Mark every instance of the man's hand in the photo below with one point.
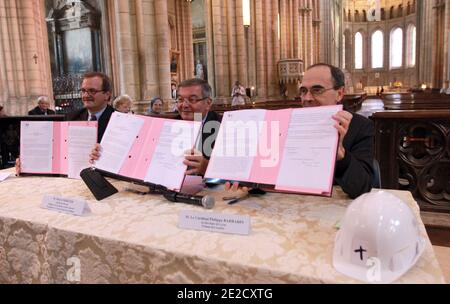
(235, 187)
(95, 153)
(195, 161)
(17, 166)
(343, 119)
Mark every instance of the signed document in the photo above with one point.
(59, 148)
(290, 150)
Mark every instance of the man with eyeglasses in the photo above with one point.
(95, 94)
(324, 85)
(194, 102)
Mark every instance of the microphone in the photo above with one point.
(204, 201)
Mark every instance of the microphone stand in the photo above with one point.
(96, 181)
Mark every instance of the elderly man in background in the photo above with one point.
(43, 107)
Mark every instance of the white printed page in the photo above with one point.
(117, 141)
(310, 151)
(36, 146)
(166, 167)
(236, 145)
(81, 140)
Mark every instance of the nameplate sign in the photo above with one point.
(214, 222)
(65, 205)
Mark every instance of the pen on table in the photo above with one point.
(238, 199)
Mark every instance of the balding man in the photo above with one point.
(43, 107)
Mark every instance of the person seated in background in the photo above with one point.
(123, 104)
(2, 112)
(43, 107)
(324, 85)
(194, 102)
(156, 106)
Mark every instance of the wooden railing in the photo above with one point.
(416, 101)
(413, 150)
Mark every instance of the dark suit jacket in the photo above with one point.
(82, 115)
(355, 172)
(210, 130)
(38, 111)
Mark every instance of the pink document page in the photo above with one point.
(141, 153)
(147, 145)
(54, 143)
(237, 145)
(266, 164)
(296, 151)
(309, 154)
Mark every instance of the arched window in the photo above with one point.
(411, 46)
(377, 49)
(396, 48)
(358, 51)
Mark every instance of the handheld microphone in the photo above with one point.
(204, 201)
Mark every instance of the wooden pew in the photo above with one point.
(351, 102)
(416, 101)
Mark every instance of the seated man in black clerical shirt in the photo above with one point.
(323, 85)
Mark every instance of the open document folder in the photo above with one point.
(291, 150)
(56, 148)
(147, 149)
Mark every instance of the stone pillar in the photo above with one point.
(260, 51)
(162, 38)
(127, 46)
(241, 45)
(147, 52)
(425, 33)
(185, 40)
(24, 56)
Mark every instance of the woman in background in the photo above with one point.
(156, 106)
(123, 104)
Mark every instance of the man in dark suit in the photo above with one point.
(323, 85)
(95, 94)
(42, 108)
(194, 103)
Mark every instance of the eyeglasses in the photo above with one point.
(91, 92)
(190, 100)
(315, 91)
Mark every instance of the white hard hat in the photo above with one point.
(379, 239)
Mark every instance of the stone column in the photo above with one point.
(260, 51)
(185, 40)
(425, 33)
(24, 56)
(147, 52)
(127, 46)
(162, 38)
(241, 45)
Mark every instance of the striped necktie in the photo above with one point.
(93, 118)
